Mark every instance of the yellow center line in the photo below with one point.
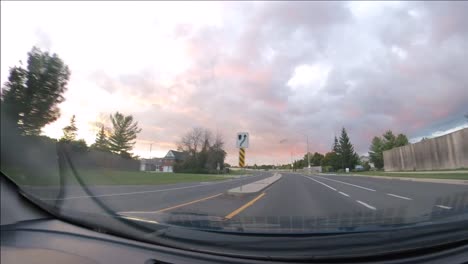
(242, 208)
(189, 203)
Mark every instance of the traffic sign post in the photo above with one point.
(242, 144)
(242, 157)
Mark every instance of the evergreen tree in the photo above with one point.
(70, 131)
(348, 157)
(335, 158)
(124, 133)
(375, 153)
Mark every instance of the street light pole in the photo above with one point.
(308, 152)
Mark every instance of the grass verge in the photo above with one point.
(108, 177)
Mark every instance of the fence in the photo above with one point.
(445, 152)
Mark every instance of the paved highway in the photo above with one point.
(295, 202)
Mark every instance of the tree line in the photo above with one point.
(342, 154)
(30, 100)
(119, 140)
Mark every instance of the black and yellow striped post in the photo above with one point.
(242, 157)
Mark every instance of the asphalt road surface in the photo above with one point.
(296, 202)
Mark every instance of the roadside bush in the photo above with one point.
(366, 166)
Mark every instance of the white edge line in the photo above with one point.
(398, 196)
(342, 193)
(140, 192)
(365, 188)
(367, 205)
(444, 207)
(321, 183)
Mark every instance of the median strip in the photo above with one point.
(242, 208)
(255, 186)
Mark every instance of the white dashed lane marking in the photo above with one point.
(354, 185)
(398, 196)
(367, 205)
(328, 186)
(342, 193)
(444, 207)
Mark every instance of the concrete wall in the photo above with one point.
(446, 152)
(313, 169)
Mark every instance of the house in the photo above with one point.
(365, 159)
(154, 164)
(172, 157)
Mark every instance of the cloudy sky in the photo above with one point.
(280, 71)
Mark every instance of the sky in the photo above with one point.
(282, 71)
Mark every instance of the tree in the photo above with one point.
(79, 145)
(329, 160)
(386, 142)
(316, 159)
(101, 143)
(348, 157)
(216, 154)
(123, 135)
(336, 161)
(375, 153)
(191, 141)
(30, 96)
(401, 140)
(69, 132)
(205, 152)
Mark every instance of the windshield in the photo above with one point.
(297, 118)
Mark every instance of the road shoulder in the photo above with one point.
(446, 181)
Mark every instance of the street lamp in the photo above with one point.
(308, 152)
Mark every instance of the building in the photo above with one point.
(154, 164)
(171, 158)
(165, 164)
(365, 159)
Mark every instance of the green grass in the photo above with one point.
(109, 177)
(240, 172)
(432, 175)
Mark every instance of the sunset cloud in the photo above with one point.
(279, 70)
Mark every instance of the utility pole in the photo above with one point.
(151, 146)
(292, 164)
(308, 152)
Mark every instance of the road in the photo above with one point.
(296, 202)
